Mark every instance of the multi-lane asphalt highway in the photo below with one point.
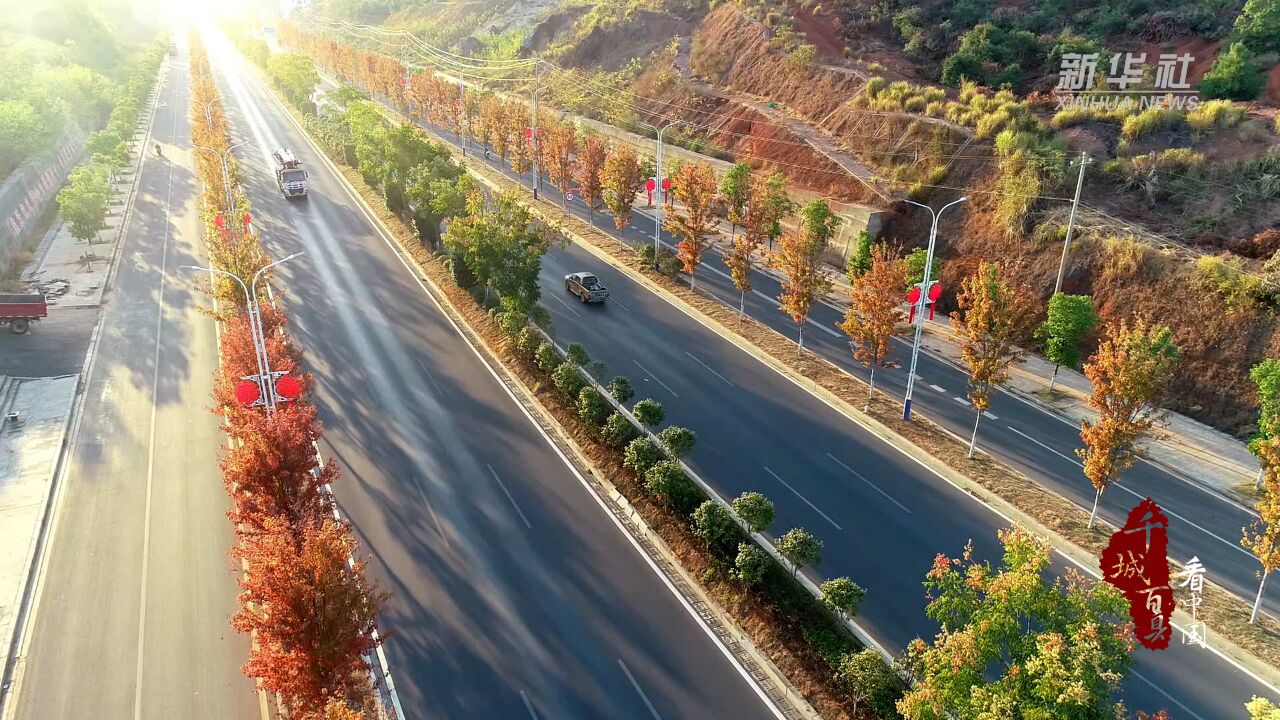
(131, 616)
(514, 594)
(881, 515)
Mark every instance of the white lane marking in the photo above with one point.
(430, 376)
(1185, 710)
(803, 498)
(417, 481)
(151, 445)
(655, 378)
(508, 494)
(528, 705)
(1046, 447)
(614, 300)
(939, 388)
(708, 367)
(990, 416)
(639, 690)
(567, 306)
(387, 240)
(875, 487)
(962, 401)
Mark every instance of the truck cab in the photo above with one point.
(290, 177)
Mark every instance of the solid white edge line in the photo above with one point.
(384, 234)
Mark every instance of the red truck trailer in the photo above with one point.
(19, 311)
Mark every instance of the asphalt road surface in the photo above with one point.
(882, 516)
(55, 346)
(514, 594)
(131, 619)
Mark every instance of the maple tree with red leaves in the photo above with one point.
(313, 615)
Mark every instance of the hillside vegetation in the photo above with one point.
(1180, 213)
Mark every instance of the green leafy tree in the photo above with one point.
(800, 548)
(769, 203)
(83, 202)
(618, 431)
(577, 354)
(677, 440)
(1262, 709)
(649, 412)
(620, 389)
(1258, 26)
(755, 509)
(1070, 318)
(547, 357)
(1262, 538)
(667, 483)
(434, 198)
(1266, 375)
(592, 406)
(1010, 638)
(915, 262)
(860, 259)
(735, 191)
(1233, 76)
(642, 454)
(295, 75)
(870, 680)
(568, 379)
(842, 596)
(751, 566)
(503, 245)
(713, 523)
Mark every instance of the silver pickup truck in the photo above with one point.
(586, 286)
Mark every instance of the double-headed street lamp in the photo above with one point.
(924, 293)
(657, 216)
(226, 173)
(265, 379)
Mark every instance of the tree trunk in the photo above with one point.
(1257, 482)
(1053, 378)
(742, 304)
(1094, 515)
(973, 440)
(800, 342)
(1257, 602)
(871, 388)
(691, 274)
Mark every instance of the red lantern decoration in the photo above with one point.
(247, 392)
(913, 297)
(288, 387)
(935, 292)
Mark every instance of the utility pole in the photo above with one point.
(1071, 222)
(464, 127)
(657, 216)
(533, 131)
(920, 301)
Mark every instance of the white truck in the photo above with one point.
(290, 176)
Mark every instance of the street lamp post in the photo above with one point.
(265, 378)
(657, 216)
(924, 293)
(208, 114)
(226, 173)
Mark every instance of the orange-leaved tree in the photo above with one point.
(1262, 538)
(803, 279)
(560, 144)
(874, 311)
(587, 172)
(1130, 373)
(621, 178)
(694, 186)
(995, 314)
(313, 615)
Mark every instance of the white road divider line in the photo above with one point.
(566, 305)
(639, 690)
(431, 376)
(962, 401)
(528, 705)
(990, 416)
(1046, 447)
(708, 367)
(787, 485)
(939, 388)
(875, 487)
(509, 497)
(645, 370)
(417, 481)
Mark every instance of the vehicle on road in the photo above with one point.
(290, 177)
(19, 311)
(586, 286)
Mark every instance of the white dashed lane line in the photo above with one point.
(802, 498)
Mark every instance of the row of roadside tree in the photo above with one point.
(304, 595)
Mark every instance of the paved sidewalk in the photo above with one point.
(81, 266)
(29, 452)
